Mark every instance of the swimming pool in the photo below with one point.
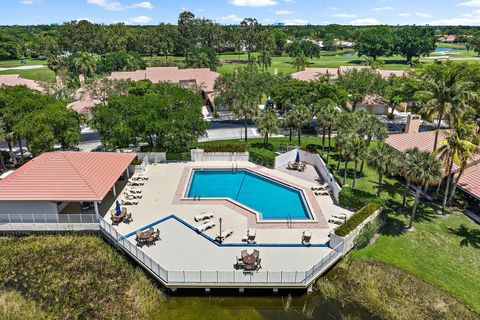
(271, 199)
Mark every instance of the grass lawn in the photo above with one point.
(18, 63)
(41, 74)
(444, 251)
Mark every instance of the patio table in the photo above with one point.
(119, 217)
(249, 259)
(145, 235)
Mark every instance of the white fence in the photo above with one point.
(200, 155)
(50, 222)
(209, 277)
(316, 161)
(153, 157)
(284, 158)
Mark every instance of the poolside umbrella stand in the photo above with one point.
(297, 158)
(118, 210)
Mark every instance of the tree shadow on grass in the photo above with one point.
(471, 237)
(393, 227)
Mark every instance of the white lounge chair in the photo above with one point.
(336, 221)
(205, 226)
(251, 234)
(225, 234)
(325, 192)
(132, 182)
(320, 187)
(140, 177)
(133, 190)
(131, 195)
(339, 216)
(306, 236)
(203, 216)
(125, 201)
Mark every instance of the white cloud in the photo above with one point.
(462, 21)
(364, 21)
(141, 19)
(418, 14)
(333, 8)
(471, 3)
(30, 1)
(253, 3)
(344, 15)
(382, 9)
(283, 12)
(474, 13)
(295, 22)
(231, 18)
(86, 19)
(118, 6)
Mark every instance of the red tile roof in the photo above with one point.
(310, 74)
(15, 80)
(422, 140)
(204, 77)
(470, 181)
(66, 176)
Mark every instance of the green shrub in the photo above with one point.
(356, 199)
(262, 157)
(178, 156)
(261, 145)
(356, 219)
(225, 148)
(135, 162)
(367, 233)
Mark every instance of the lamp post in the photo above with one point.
(220, 235)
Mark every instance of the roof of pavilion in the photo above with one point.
(65, 176)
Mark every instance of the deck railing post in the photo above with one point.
(184, 276)
(281, 276)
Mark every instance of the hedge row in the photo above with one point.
(178, 156)
(262, 157)
(225, 148)
(356, 199)
(356, 219)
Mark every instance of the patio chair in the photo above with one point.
(133, 190)
(302, 167)
(128, 218)
(205, 226)
(251, 234)
(256, 253)
(258, 264)
(336, 221)
(289, 165)
(115, 218)
(133, 195)
(125, 201)
(157, 235)
(306, 236)
(225, 234)
(325, 192)
(132, 182)
(139, 177)
(203, 216)
(340, 216)
(320, 187)
(244, 253)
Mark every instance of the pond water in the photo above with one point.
(446, 50)
(258, 304)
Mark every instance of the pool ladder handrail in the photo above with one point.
(289, 221)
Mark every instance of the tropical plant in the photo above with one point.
(423, 169)
(267, 124)
(444, 92)
(84, 64)
(299, 62)
(358, 152)
(326, 115)
(359, 84)
(370, 127)
(264, 59)
(383, 158)
(3, 138)
(300, 117)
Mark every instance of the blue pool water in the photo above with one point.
(273, 200)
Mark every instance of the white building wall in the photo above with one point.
(28, 207)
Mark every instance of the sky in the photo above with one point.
(292, 12)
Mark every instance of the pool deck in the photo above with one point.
(182, 248)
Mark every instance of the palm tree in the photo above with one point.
(3, 138)
(444, 92)
(424, 169)
(300, 62)
(264, 59)
(84, 64)
(300, 118)
(267, 124)
(326, 118)
(357, 153)
(287, 123)
(383, 158)
(372, 128)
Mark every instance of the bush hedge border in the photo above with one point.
(356, 219)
